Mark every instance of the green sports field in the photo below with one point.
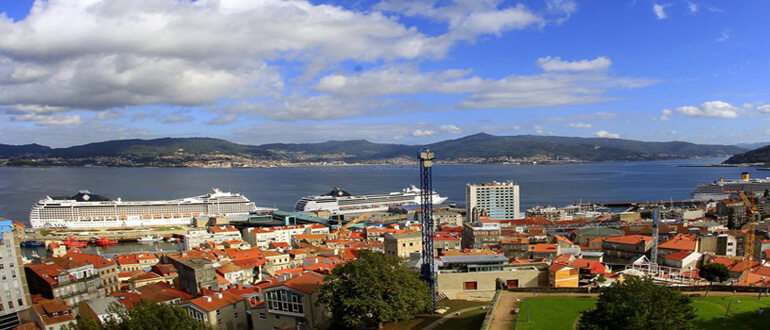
(563, 312)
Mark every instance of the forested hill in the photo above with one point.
(478, 148)
(761, 155)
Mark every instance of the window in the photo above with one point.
(236, 315)
(262, 316)
(471, 285)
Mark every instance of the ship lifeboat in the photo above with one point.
(146, 216)
(72, 242)
(105, 242)
(122, 217)
(177, 215)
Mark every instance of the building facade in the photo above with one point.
(499, 200)
(14, 283)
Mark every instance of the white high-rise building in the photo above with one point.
(15, 296)
(499, 200)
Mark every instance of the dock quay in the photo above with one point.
(129, 234)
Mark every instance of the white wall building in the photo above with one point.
(499, 200)
(15, 297)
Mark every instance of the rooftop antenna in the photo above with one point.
(426, 212)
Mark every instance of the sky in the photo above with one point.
(394, 71)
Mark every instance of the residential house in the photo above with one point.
(292, 304)
(625, 249)
(563, 276)
(53, 314)
(403, 245)
(101, 310)
(481, 235)
(220, 310)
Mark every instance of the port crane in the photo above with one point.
(752, 212)
(343, 231)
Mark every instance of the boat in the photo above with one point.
(103, 241)
(31, 244)
(149, 239)
(72, 242)
(338, 201)
(722, 189)
(172, 240)
(86, 210)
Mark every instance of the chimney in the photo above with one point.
(218, 295)
(207, 298)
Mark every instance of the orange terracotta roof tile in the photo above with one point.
(306, 283)
(631, 239)
(216, 301)
(542, 248)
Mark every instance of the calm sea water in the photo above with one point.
(556, 185)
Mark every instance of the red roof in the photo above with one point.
(306, 283)
(542, 248)
(684, 242)
(162, 291)
(222, 229)
(46, 272)
(216, 301)
(678, 256)
(631, 239)
(594, 266)
(280, 245)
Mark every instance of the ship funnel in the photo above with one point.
(745, 176)
(721, 180)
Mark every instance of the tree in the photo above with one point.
(372, 289)
(714, 272)
(145, 315)
(639, 303)
(767, 193)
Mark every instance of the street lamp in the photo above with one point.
(728, 310)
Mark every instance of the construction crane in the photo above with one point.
(344, 229)
(748, 251)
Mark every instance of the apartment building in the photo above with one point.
(481, 235)
(498, 200)
(16, 296)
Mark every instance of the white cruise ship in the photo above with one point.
(721, 189)
(341, 202)
(87, 210)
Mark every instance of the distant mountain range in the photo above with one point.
(752, 146)
(760, 155)
(478, 148)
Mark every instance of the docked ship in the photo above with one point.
(339, 201)
(87, 210)
(721, 189)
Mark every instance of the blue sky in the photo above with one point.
(78, 71)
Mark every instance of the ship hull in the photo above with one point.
(361, 204)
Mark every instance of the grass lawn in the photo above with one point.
(563, 312)
(552, 312)
(710, 312)
(470, 320)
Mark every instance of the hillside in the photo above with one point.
(761, 155)
(7, 150)
(478, 148)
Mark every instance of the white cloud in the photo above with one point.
(724, 35)
(605, 134)
(659, 10)
(712, 109)
(452, 129)
(589, 116)
(578, 125)
(423, 132)
(177, 118)
(48, 120)
(693, 7)
(550, 64)
(562, 7)
(666, 113)
(764, 108)
(109, 115)
(514, 91)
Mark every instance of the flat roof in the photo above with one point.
(474, 259)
